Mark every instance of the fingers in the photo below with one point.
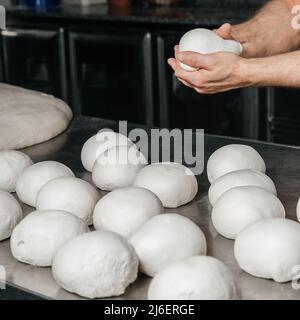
(224, 31)
(172, 63)
(196, 60)
(176, 68)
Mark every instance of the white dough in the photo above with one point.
(195, 278)
(164, 239)
(206, 41)
(298, 210)
(10, 214)
(239, 207)
(233, 157)
(124, 210)
(240, 178)
(69, 194)
(29, 117)
(117, 167)
(269, 249)
(98, 264)
(173, 183)
(12, 164)
(36, 176)
(99, 143)
(36, 239)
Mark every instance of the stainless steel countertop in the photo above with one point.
(283, 166)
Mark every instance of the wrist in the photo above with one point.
(247, 70)
(239, 33)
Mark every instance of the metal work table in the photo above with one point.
(283, 166)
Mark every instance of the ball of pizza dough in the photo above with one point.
(173, 183)
(164, 239)
(12, 164)
(10, 214)
(69, 194)
(240, 178)
(124, 210)
(98, 264)
(239, 207)
(36, 176)
(194, 278)
(36, 239)
(99, 143)
(231, 158)
(298, 210)
(269, 249)
(117, 167)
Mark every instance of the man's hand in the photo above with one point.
(225, 31)
(217, 72)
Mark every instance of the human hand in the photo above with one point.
(216, 72)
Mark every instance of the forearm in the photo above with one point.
(270, 31)
(280, 70)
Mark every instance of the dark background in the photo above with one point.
(110, 62)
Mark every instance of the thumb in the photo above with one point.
(224, 31)
(196, 60)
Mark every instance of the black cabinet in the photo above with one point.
(181, 107)
(283, 115)
(111, 74)
(35, 59)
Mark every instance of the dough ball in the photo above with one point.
(231, 158)
(12, 164)
(36, 239)
(269, 249)
(30, 117)
(298, 210)
(98, 264)
(117, 167)
(195, 278)
(36, 176)
(69, 194)
(164, 239)
(124, 210)
(99, 143)
(239, 207)
(10, 214)
(173, 183)
(240, 178)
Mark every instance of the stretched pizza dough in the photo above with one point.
(117, 167)
(99, 143)
(10, 214)
(298, 210)
(164, 239)
(36, 176)
(29, 117)
(240, 178)
(269, 249)
(69, 194)
(97, 264)
(195, 278)
(231, 158)
(12, 164)
(36, 239)
(238, 207)
(173, 183)
(124, 210)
